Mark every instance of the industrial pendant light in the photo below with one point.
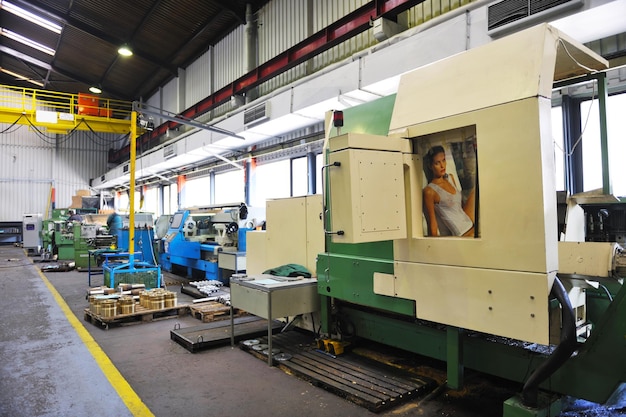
(125, 50)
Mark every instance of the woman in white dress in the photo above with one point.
(446, 214)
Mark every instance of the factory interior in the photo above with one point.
(306, 207)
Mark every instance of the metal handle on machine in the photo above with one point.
(324, 213)
(338, 232)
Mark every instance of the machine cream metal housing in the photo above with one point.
(497, 281)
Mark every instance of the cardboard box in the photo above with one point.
(83, 193)
(77, 202)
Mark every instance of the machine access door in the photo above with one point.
(367, 193)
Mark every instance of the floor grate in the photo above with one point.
(374, 386)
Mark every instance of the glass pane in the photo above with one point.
(616, 132)
(229, 187)
(197, 192)
(616, 126)
(170, 199)
(151, 201)
(592, 163)
(123, 202)
(272, 181)
(300, 182)
(319, 162)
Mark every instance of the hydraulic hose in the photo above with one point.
(561, 354)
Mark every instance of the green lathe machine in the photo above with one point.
(515, 298)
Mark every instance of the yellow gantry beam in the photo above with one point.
(61, 113)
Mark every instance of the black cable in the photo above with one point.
(313, 325)
(43, 137)
(567, 346)
(104, 141)
(13, 124)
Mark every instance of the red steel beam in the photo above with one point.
(348, 26)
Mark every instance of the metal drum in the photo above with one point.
(108, 308)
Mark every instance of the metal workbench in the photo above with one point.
(273, 297)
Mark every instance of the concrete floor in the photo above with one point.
(55, 366)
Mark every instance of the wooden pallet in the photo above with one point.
(141, 315)
(212, 311)
(374, 386)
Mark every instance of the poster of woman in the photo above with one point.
(449, 197)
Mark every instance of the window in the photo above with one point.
(197, 192)
(319, 163)
(616, 126)
(170, 199)
(151, 201)
(272, 181)
(229, 187)
(299, 176)
(592, 162)
(123, 204)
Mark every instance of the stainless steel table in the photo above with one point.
(272, 297)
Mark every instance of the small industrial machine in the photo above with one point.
(483, 282)
(90, 237)
(196, 236)
(31, 232)
(57, 236)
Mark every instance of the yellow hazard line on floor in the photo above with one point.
(119, 383)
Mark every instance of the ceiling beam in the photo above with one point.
(24, 57)
(51, 68)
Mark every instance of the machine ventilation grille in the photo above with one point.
(169, 151)
(255, 115)
(508, 14)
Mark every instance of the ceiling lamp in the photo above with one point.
(95, 90)
(26, 41)
(31, 17)
(125, 50)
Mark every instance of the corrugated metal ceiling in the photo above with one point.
(163, 34)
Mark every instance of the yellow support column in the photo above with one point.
(133, 156)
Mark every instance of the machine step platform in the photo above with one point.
(206, 336)
(374, 386)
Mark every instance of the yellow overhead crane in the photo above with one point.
(63, 113)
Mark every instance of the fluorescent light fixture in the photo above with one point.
(28, 42)
(18, 11)
(125, 50)
(95, 90)
(21, 77)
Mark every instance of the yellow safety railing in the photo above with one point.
(60, 112)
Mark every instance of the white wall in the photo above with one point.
(32, 162)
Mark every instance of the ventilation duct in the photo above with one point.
(256, 115)
(169, 151)
(510, 15)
